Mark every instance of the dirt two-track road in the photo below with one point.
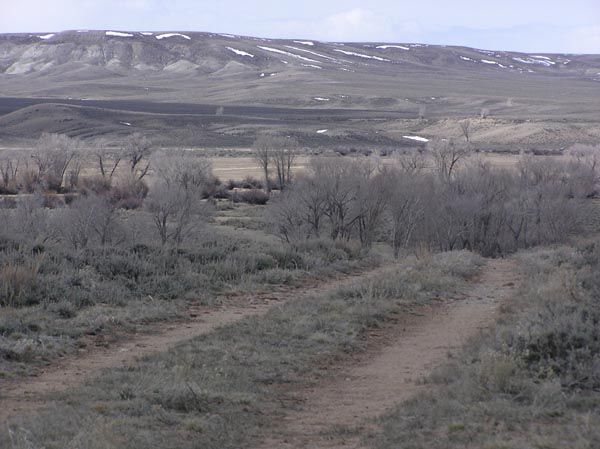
(362, 388)
(389, 373)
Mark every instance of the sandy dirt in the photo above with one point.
(389, 371)
(19, 396)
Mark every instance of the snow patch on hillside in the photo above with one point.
(240, 52)
(47, 36)
(385, 47)
(118, 34)
(361, 55)
(167, 35)
(305, 43)
(312, 53)
(417, 138)
(281, 52)
(535, 61)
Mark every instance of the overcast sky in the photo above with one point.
(570, 26)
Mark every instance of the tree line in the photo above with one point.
(439, 199)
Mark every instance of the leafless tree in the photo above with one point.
(137, 150)
(465, 127)
(108, 160)
(339, 181)
(404, 206)
(174, 201)
(10, 162)
(52, 156)
(290, 218)
(182, 168)
(412, 161)
(284, 154)
(484, 113)
(91, 219)
(263, 151)
(446, 154)
(31, 220)
(370, 205)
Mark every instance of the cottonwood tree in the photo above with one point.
(108, 160)
(283, 156)
(137, 150)
(263, 150)
(10, 162)
(298, 212)
(30, 222)
(412, 161)
(339, 181)
(446, 155)
(174, 201)
(404, 206)
(465, 128)
(52, 156)
(90, 219)
(370, 204)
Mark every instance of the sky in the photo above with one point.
(566, 26)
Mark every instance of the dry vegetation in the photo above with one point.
(532, 382)
(217, 391)
(95, 241)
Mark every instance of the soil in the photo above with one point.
(340, 411)
(18, 396)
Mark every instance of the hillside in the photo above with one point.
(141, 73)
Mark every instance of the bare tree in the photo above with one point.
(263, 149)
(370, 205)
(465, 127)
(446, 154)
(174, 201)
(291, 219)
(284, 154)
(182, 168)
(9, 169)
(31, 220)
(484, 113)
(404, 207)
(108, 160)
(52, 156)
(412, 161)
(137, 150)
(91, 219)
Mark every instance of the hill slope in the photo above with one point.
(388, 85)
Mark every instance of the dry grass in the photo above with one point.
(51, 300)
(532, 382)
(216, 391)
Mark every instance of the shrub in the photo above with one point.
(255, 197)
(16, 281)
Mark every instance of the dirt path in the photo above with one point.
(388, 373)
(23, 395)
